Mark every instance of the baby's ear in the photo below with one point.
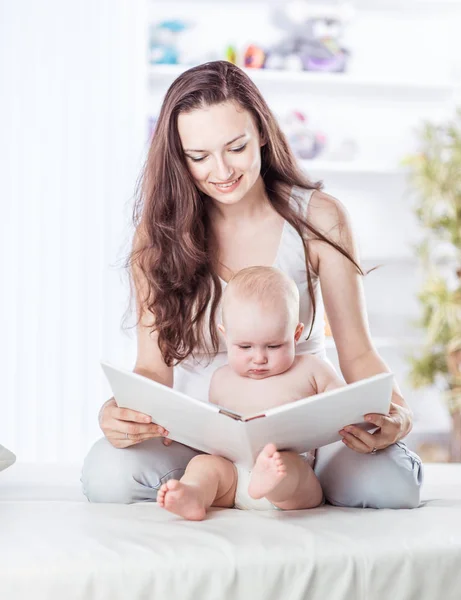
(299, 330)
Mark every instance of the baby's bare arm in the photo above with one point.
(224, 389)
(324, 376)
(216, 384)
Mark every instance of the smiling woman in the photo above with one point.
(221, 191)
(231, 165)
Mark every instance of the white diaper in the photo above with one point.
(244, 501)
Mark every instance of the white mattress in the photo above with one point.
(54, 545)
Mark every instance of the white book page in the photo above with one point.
(314, 422)
(189, 421)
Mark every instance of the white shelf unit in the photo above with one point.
(404, 343)
(325, 82)
(373, 185)
(353, 167)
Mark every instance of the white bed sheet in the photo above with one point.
(54, 545)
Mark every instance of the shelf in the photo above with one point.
(351, 167)
(385, 342)
(328, 81)
(413, 6)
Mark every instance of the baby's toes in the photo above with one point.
(171, 484)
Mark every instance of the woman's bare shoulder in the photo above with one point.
(326, 213)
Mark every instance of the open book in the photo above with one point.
(300, 426)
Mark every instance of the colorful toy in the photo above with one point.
(254, 57)
(311, 44)
(305, 143)
(231, 54)
(163, 42)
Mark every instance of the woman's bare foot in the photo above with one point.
(182, 499)
(268, 472)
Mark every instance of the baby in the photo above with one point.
(260, 323)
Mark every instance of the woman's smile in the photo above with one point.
(226, 188)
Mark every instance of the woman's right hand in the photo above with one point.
(124, 427)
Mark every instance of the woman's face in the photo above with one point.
(222, 146)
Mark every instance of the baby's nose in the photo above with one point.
(260, 358)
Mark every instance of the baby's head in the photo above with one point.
(260, 312)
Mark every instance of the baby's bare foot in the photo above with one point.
(268, 472)
(182, 499)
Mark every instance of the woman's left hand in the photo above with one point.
(392, 428)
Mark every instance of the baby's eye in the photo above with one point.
(275, 346)
(244, 347)
(241, 149)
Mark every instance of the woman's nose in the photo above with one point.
(223, 171)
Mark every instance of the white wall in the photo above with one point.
(71, 142)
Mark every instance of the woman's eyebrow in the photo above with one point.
(231, 142)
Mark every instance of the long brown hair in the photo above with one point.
(174, 248)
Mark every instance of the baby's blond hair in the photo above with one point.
(267, 285)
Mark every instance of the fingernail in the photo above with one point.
(367, 418)
(341, 432)
(147, 419)
(347, 428)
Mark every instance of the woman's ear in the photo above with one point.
(221, 329)
(299, 330)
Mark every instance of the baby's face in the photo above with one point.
(260, 342)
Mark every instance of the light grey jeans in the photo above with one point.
(391, 478)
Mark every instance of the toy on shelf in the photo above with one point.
(231, 54)
(304, 141)
(254, 57)
(163, 42)
(310, 44)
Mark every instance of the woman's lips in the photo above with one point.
(231, 188)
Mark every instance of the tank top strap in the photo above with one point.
(291, 257)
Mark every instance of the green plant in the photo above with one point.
(435, 178)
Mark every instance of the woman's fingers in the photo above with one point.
(126, 414)
(352, 433)
(355, 443)
(389, 431)
(120, 440)
(137, 429)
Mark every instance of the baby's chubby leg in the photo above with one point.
(285, 479)
(207, 481)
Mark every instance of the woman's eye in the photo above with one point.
(241, 149)
(196, 159)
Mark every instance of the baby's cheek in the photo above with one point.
(286, 359)
(236, 360)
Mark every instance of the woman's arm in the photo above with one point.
(149, 359)
(344, 300)
(124, 427)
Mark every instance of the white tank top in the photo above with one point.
(193, 375)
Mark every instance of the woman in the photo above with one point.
(221, 191)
